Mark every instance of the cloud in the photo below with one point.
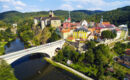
(5, 0)
(19, 3)
(66, 7)
(12, 5)
(13, 2)
(5, 7)
(100, 4)
(18, 8)
(79, 6)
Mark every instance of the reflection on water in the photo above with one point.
(14, 46)
(39, 69)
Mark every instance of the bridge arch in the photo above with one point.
(48, 48)
(28, 57)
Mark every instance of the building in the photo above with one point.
(55, 22)
(81, 33)
(66, 25)
(71, 39)
(65, 33)
(127, 51)
(91, 24)
(48, 21)
(118, 32)
(3, 29)
(14, 25)
(90, 37)
(84, 23)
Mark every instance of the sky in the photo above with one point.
(46, 5)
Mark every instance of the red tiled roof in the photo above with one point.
(97, 28)
(117, 29)
(65, 30)
(71, 38)
(105, 23)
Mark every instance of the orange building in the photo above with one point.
(106, 23)
(65, 33)
(91, 29)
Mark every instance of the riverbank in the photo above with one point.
(2, 49)
(56, 64)
(3, 44)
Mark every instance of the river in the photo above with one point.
(33, 67)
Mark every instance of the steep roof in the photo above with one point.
(65, 30)
(55, 18)
(105, 23)
(81, 29)
(44, 18)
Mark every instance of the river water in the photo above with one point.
(33, 67)
(15, 45)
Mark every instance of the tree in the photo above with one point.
(119, 74)
(89, 56)
(108, 34)
(102, 55)
(90, 44)
(81, 57)
(54, 37)
(75, 56)
(120, 48)
(6, 72)
(59, 57)
(45, 35)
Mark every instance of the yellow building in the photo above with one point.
(81, 33)
(55, 22)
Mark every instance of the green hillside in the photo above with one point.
(117, 17)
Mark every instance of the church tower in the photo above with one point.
(51, 14)
(69, 19)
(101, 21)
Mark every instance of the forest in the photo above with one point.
(97, 62)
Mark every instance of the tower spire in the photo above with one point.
(101, 20)
(69, 14)
(69, 19)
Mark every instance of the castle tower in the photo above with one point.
(51, 14)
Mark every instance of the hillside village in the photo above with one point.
(89, 46)
(80, 31)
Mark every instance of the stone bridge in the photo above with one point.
(48, 48)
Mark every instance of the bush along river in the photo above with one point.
(34, 67)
